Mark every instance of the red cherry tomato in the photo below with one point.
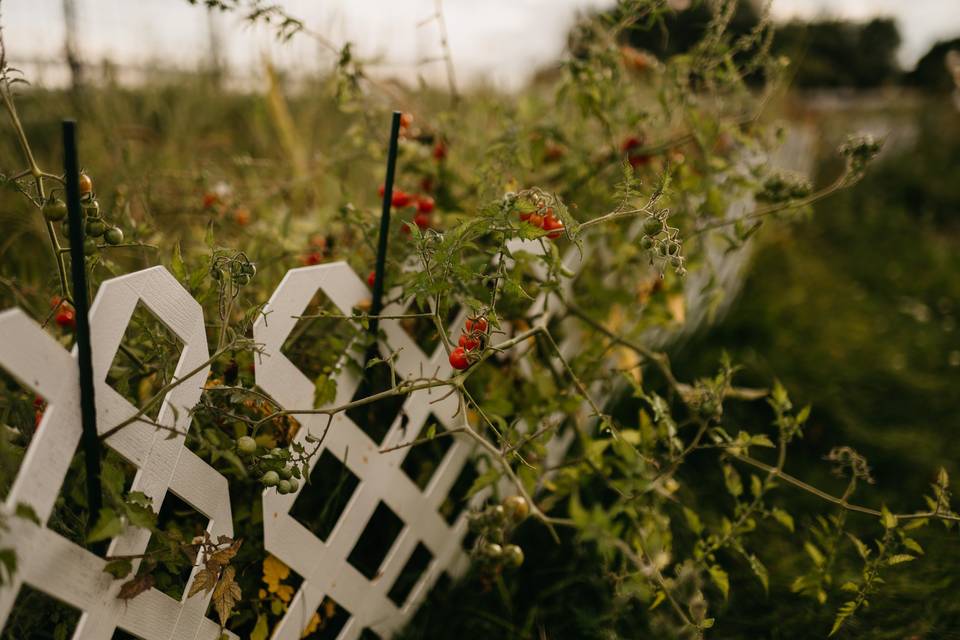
(458, 359)
(422, 220)
(210, 199)
(631, 143)
(425, 204)
(311, 259)
(406, 119)
(372, 278)
(552, 224)
(638, 159)
(66, 319)
(535, 219)
(439, 150)
(400, 199)
(525, 215)
(381, 189)
(468, 342)
(478, 325)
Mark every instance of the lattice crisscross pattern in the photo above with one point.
(324, 565)
(57, 566)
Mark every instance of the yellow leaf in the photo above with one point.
(274, 570)
(312, 625)
(283, 591)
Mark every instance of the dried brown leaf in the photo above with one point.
(135, 586)
(226, 594)
(203, 581)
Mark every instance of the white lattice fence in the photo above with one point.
(74, 575)
(323, 564)
(56, 566)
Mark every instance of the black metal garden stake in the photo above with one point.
(377, 305)
(81, 305)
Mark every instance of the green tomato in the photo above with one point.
(513, 555)
(652, 226)
(54, 210)
(497, 514)
(91, 209)
(646, 242)
(95, 228)
(283, 487)
(113, 236)
(294, 485)
(270, 479)
(286, 473)
(492, 550)
(89, 246)
(516, 507)
(246, 445)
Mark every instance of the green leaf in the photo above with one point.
(899, 558)
(761, 440)
(118, 568)
(845, 611)
(8, 559)
(108, 526)
(889, 520)
(176, 264)
(814, 553)
(26, 512)
(913, 545)
(658, 600)
(783, 518)
(732, 479)
(721, 579)
(760, 571)
(862, 549)
(693, 520)
(261, 629)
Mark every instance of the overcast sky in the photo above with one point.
(500, 40)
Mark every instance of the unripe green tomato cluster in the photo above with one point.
(494, 525)
(94, 226)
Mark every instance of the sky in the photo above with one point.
(498, 41)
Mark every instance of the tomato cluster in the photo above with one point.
(493, 527)
(663, 242)
(283, 477)
(471, 339)
(94, 225)
(422, 203)
(543, 217)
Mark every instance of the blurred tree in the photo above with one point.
(835, 53)
(826, 53)
(931, 72)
